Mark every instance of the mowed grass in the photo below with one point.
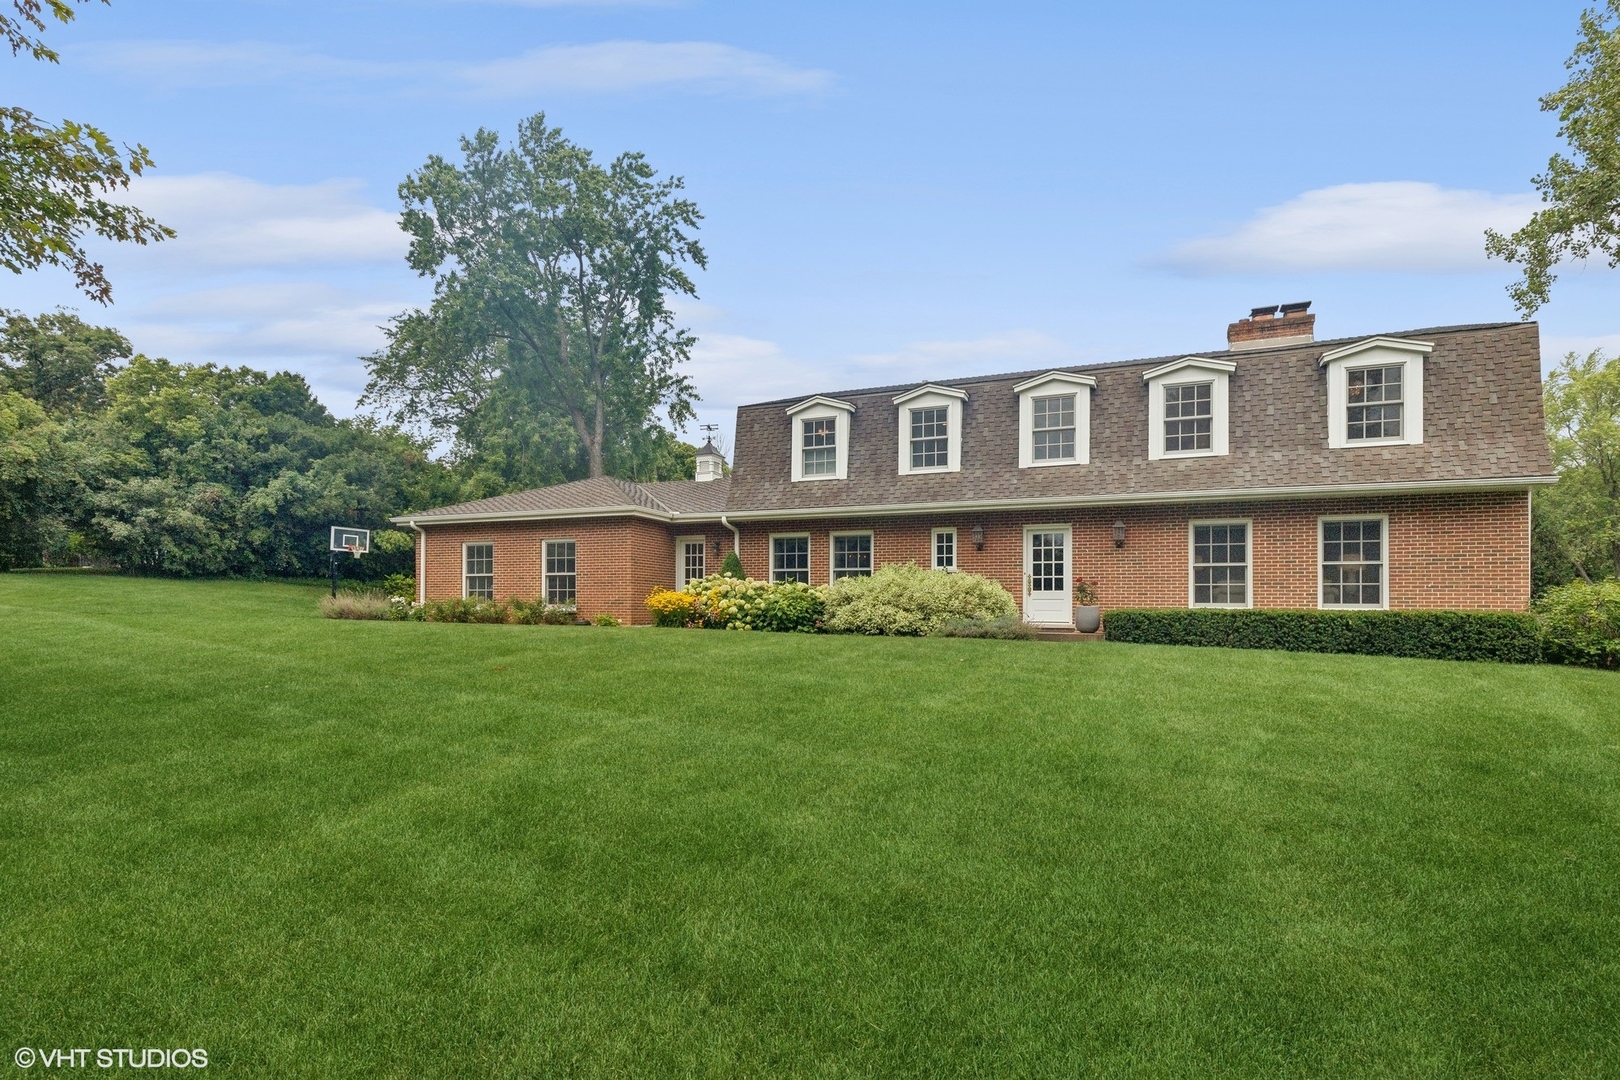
(320, 848)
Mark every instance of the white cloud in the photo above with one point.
(1392, 226)
(224, 220)
(603, 67)
(637, 65)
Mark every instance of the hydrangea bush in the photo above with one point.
(905, 599)
(720, 602)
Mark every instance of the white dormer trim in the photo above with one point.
(1375, 352)
(1189, 369)
(818, 408)
(931, 396)
(1054, 383)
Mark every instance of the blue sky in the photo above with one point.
(892, 191)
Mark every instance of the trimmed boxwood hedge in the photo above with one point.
(1435, 635)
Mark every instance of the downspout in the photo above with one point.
(736, 537)
(421, 562)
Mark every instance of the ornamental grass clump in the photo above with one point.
(358, 605)
(906, 600)
(1580, 623)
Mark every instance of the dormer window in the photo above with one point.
(1187, 408)
(1054, 419)
(930, 429)
(1375, 393)
(821, 430)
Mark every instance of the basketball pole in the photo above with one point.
(334, 575)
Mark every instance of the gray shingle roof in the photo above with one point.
(596, 495)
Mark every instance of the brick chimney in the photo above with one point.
(1280, 324)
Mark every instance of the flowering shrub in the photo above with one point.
(728, 603)
(905, 599)
(671, 608)
(537, 613)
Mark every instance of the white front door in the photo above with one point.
(1046, 576)
(690, 559)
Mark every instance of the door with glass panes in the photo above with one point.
(1046, 576)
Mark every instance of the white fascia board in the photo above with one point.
(1054, 376)
(812, 402)
(421, 521)
(1324, 491)
(1189, 362)
(1400, 344)
(931, 388)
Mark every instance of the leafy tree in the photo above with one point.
(59, 360)
(53, 179)
(39, 482)
(552, 276)
(1582, 217)
(1578, 518)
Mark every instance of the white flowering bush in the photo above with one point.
(730, 603)
(905, 599)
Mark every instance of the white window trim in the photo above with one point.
(1383, 592)
(933, 551)
(1248, 588)
(464, 575)
(849, 532)
(817, 408)
(930, 396)
(680, 557)
(809, 554)
(1376, 352)
(545, 591)
(1190, 369)
(1051, 384)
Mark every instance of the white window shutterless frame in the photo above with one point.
(1047, 574)
(1352, 408)
(691, 559)
(1200, 424)
(820, 440)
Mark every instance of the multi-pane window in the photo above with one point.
(851, 555)
(561, 579)
(944, 549)
(1048, 562)
(1220, 564)
(478, 571)
(1188, 417)
(1353, 563)
(820, 446)
(930, 438)
(1375, 402)
(692, 560)
(1053, 428)
(790, 558)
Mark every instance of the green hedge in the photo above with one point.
(1434, 635)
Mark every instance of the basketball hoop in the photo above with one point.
(356, 542)
(352, 549)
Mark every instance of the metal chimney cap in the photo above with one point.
(1255, 313)
(1298, 308)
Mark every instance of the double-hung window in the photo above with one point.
(1373, 397)
(1220, 564)
(851, 555)
(944, 549)
(478, 571)
(790, 558)
(820, 446)
(561, 578)
(930, 438)
(1052, 428)
(1188, 417)
(1355, 561)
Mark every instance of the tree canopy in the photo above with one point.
(1582, 192)
(54, 180)
(550, 349)
(1578, 518)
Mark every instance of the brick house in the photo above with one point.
(1390, 471)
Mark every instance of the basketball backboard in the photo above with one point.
(355, 541)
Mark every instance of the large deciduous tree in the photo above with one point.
(1578, 518)
(58, 359)
(54, 180)
(1582, 192)
(553, 277)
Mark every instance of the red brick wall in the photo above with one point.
(1462, 551)
(619, 560)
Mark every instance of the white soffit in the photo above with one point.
(1398, 344)
(1055, 376)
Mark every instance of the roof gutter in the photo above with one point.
(736, 537)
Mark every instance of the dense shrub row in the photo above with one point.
(1435, 635)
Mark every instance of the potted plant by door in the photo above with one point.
(1087, 615)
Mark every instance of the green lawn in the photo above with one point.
(321, 848)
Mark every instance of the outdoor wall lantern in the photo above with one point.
(978, 537)
(1119, 534)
